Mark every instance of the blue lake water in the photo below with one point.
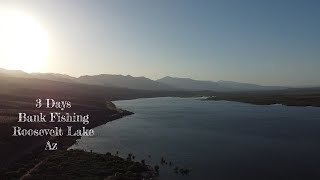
(217, 139)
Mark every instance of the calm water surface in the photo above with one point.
(217, 139)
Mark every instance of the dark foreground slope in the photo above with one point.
(18, 95)
(78, 164)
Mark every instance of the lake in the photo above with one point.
(217, 139)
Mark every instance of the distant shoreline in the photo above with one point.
(260, 99)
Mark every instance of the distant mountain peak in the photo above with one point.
(14, 73)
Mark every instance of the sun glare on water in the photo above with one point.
(23, 42)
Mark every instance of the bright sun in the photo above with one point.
(23, 42)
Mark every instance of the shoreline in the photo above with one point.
(290, 100)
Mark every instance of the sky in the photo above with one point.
(268, 42)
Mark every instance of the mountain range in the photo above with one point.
(142, 83)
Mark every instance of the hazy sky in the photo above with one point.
(271, 42)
